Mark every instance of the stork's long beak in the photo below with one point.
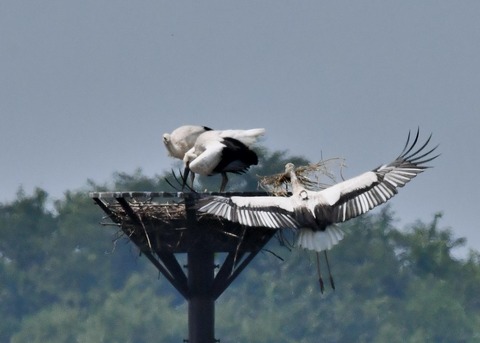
(186, 171)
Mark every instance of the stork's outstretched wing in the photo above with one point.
(262, 211)
(337, 203)
(360, 194)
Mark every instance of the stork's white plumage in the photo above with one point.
(219, 152)
(314, 212)
(182, 139)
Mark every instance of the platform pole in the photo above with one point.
(200, 264)
(201, 303)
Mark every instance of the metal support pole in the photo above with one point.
(201, 303)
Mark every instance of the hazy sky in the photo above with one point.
(87, 88)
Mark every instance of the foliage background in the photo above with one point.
(65, 278)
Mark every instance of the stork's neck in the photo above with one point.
(189, 156)
(297, 187)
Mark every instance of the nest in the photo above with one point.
(171, 227)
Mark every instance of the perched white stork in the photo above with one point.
(219, 152)
(183, 138)
(314, 212)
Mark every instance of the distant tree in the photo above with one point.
(66, 278)
(138, 312)
(427, 249)
(25, 229)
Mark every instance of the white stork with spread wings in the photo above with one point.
(314, 212)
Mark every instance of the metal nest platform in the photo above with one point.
(163, 224)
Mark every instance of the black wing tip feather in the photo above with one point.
(408, 153)
(391, 177)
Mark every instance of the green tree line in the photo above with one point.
(65, 278)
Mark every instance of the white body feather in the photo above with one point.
(182, 139)
(319, 240)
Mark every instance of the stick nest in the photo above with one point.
(163, 227)
(314, 176)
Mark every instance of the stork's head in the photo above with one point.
(168, 144)
(166, 138)
(289, 167)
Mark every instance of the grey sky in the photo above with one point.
(88, 87)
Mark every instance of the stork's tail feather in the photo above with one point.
(319, 240)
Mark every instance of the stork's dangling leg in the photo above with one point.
(224, 182)
(320, 280)
(329, 272)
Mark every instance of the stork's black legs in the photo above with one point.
(224, 182)
(329, 272)
(320, 279)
